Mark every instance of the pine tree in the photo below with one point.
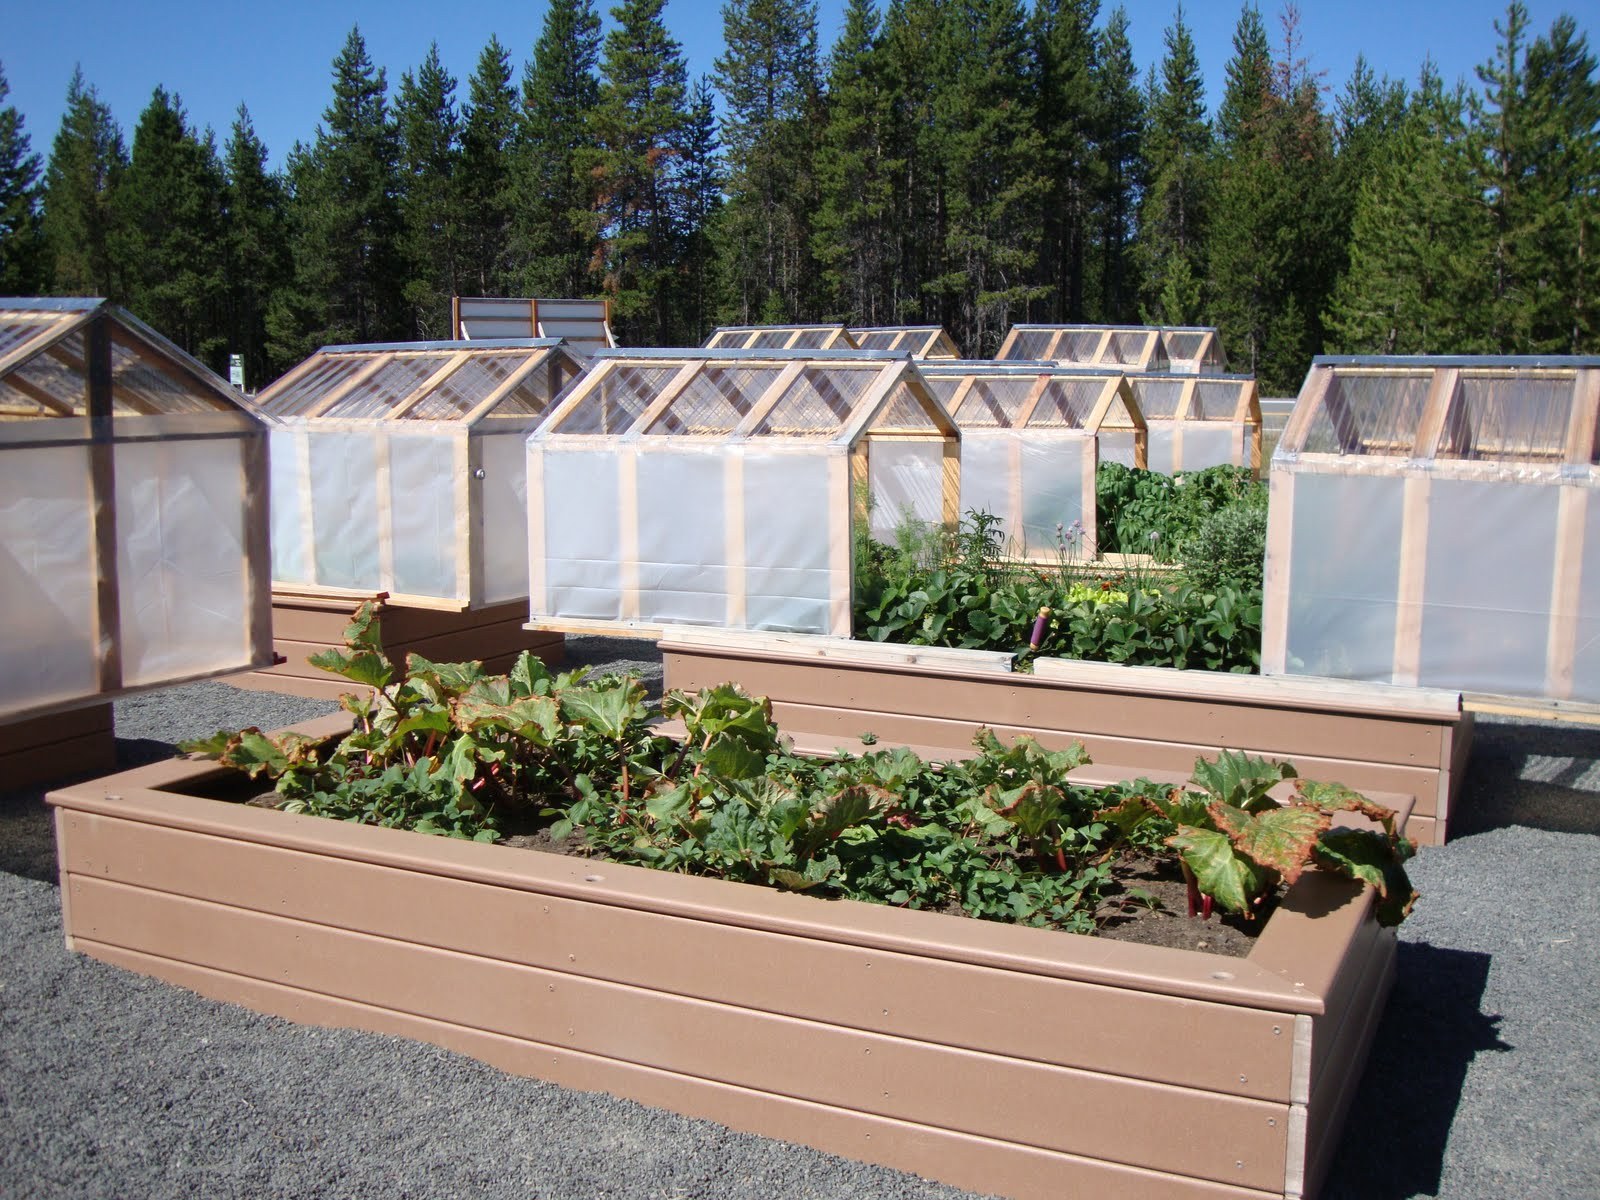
(1367, 114)
(556, 232)
(768, 77)
(345, 211)
(700, 184)
(1069, 112)
(853, 237)
(1501, 131)
(640, 120)
(1172, 218)
(430, 201)
(21, 241)
(79, 219)
(1120, 136)
(256, 241)
(486, 183)
(169, 238)
(1418, 238)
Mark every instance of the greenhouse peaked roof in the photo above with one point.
(45, 352)
(820, 396)
(780, 337)
(456, 381)
(980, 394)
(1525, 410)
(923, 341)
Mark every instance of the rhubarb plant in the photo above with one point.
(1236, 842)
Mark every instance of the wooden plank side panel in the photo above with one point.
(1191, 1043)
(1019, 701)
(1057, 1109)
(977, 1163)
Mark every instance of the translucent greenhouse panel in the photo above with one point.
(344, 509)
(1159, 446)
(986, 462)
(425, 522)
(1344, 575)
(1486, 595)
(47, 578)
(291, 547)
(181, 564)
(1522, 419)
(788, 582)
(1116, 446)
(1368, 414)
(1031, 343)
(579, 504)
(1208, 445)
(503, 504)
(1586, 647)
(1052, 492)
(905, 481)
(683, 553)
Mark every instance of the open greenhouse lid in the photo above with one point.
(824, 396)
(45, 373)
(921, 341)
(980, 394)
(780, 337)
(453, 381)
(585, 325)
(1508, 409)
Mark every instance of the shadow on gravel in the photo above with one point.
(1399, 1122)
(1537, 775)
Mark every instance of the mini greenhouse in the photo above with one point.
(1193, 350)
(1030, 445)
(724, 487)
(1199, 421)
(780, 337)
(1128, 347)
(1436, 522)
(133, 530)
(919, 341)
(399, 468)
(585, 325)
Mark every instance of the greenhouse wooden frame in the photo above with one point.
(920, 341)
(1181, 349)
(781, 337)
(179, 593)
(837, 428)
(1204, 403)
(1467, 488)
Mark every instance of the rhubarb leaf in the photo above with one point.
(1369, 856)
(1217, 870)
(1280, 839)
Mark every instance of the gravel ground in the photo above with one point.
(1484, 1081)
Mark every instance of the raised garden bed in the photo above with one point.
(304, 624)
(1004, 1059)
(1150, 721)
(36, 749)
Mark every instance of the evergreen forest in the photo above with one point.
(968, 163)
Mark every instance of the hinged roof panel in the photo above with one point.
(780, 337)
(1039, 396)
(920, 341)
(46, 347)
(457, 381)
(1137, 348)
(1518, 410)
(830, 397)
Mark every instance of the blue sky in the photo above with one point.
(276, 55)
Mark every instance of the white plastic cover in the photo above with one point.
(1207, 444)
(788, 581)
(344, 508)
(682, 523)
(181, 579)
(1159, 447)
(1344, 576)
(425, 489)
(986, 459)
(906, 479)
(581, 510)
(1052, 491)
(47, 578)
(503, 503)
(291, 551)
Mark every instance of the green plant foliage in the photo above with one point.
(1132, 504)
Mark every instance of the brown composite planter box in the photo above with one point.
(303, 625)
(1003, 1059)
(77, 741)
(1149, 721)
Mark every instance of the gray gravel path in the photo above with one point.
(1484, 1082)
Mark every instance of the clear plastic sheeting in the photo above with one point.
(399, 467)
(725, 489)
(1197, 422)
(1126, 347)
(781, 337)
(133, 549)
(1435, 522)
